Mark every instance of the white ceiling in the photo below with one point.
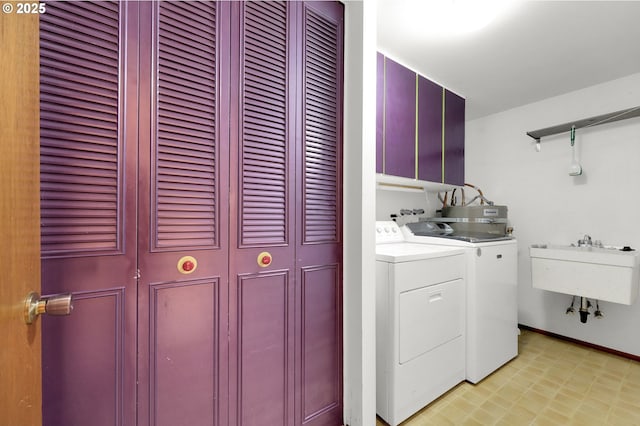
(537, 50)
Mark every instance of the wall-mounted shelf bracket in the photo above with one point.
(586, 122)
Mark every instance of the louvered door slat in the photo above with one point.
(178, 147)
(82, 39)
(176, 55)
(182, 26)
(199, 14)
(88, 112)
(181, 117)
(321, 190)
(90, 11)
(80, 136)
(264, 171)
(179, 50)
(91, 22)
(185, 156)
(63, 76)
(55, 86)
(176, 130)
(91, 101)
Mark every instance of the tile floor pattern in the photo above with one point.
(551, 382)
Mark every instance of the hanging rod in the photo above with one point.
(586, 122)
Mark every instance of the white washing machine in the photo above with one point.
(492, 300)
(420, 321)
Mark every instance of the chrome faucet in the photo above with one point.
(585, 241)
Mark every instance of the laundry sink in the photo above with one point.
(605, 274)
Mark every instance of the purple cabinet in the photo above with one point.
(399, 120)
(419, 126)
(429, 130)
(453, 138)
(379, 113)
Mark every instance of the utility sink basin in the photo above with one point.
(605, 274)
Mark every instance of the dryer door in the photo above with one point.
(429, 317)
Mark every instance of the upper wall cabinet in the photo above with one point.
(453, 139)
(399, 120)
(429, 126)
(379, 113)
(419, 127)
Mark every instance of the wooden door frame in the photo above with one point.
(20, 375)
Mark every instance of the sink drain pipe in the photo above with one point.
(584, 309)
(585, 305)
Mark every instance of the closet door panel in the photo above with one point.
(264, 360)
(88, 210)
(319, 216)
(182, 358)
(261, 221)
(183, 219)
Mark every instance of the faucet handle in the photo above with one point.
(585, 241)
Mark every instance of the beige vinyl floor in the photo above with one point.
(551, 382)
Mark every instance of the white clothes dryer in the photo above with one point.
(420, 323)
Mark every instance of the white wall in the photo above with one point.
(359, 319)
(390, 202)
(546, 205)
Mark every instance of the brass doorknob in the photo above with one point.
(60, 304)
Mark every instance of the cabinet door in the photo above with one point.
(453, 139)
(379, 113)
(400, 120)
(429, 130)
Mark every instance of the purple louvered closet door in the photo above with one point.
(319, 216)
(88, 211)
(261, 302)
(183, 220)
(182, 144)
(285, 350)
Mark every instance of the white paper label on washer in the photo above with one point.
(490, 212)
